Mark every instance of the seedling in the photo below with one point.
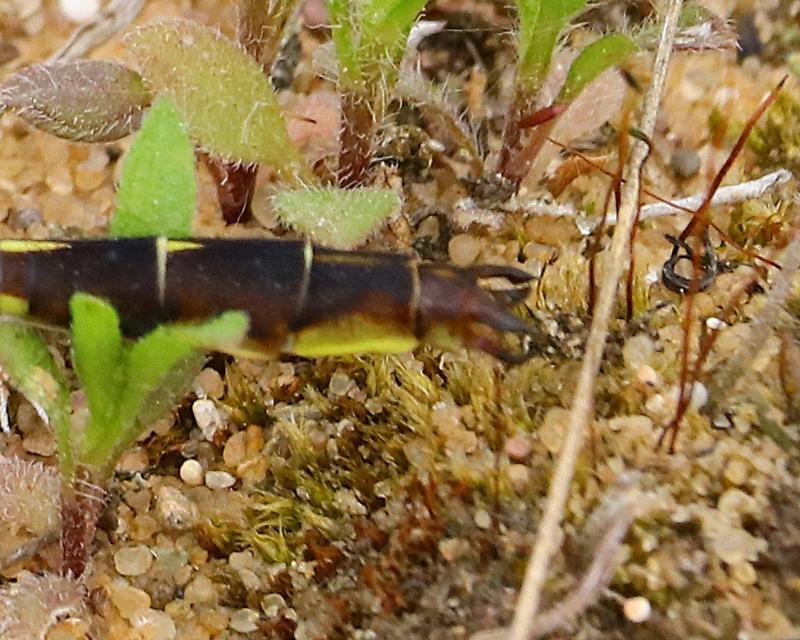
(528, 120)
(127, 386)
(370, 40)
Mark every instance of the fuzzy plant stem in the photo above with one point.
(356, 138)
(514, 138)
(82, 502)
(547, 537)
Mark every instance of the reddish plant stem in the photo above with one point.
(696, 228)
(81, 505)
(356, 139)
(527, 129)
(235, 184)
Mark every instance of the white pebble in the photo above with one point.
(78, 11)
(219, 480)
(175, 510)
(244, 620)
(154, 625)
(133, 561)
(192, 473)
(482, 519)
(636, 609)
(207, 417)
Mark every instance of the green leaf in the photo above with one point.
(221, 93)
(339, 218)
(158, 189)
(25, 358)
(540, 39)
(156, 369)
(86, 100)
(99, 359)
(606, 52)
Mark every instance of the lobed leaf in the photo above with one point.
(601, 54)
(158, 190)
(220, 91)
(86, 100)
(339, 218)
(25, 358)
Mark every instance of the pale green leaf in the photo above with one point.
(220, 91)
(158, 189)
(339, 218)
(606, 52)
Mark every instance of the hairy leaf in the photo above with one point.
(221, 93)
(25, 358)
(340, 218)
(86, 100)
(606, 52)
(158, 190)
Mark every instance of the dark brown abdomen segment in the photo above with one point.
(380, 286)
(262, 277)
(123, 272)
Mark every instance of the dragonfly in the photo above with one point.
(302, 299)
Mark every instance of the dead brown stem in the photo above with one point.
(81, 504)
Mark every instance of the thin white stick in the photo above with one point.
(583, 405)
(731, 194)
(90, 35)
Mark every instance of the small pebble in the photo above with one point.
(482, 519)
(79, 11)
(339, 384)
(518, 448)
(133, 561)
(208, 383)
(192, 473)
(636, 609)
(175, 510)
(685, 163)
(244, 620)
(736, 472)
(219, 480)
(453, 548)
(154, 625)
(201, 589)
(235, 451)
(272, 603)
(127, 599)
(519, 475)
(208, 417)
(463, 249)
(744, 573)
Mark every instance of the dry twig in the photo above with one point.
(583, 406)
(732, 194)
(90, 35)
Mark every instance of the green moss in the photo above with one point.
(776, 142)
